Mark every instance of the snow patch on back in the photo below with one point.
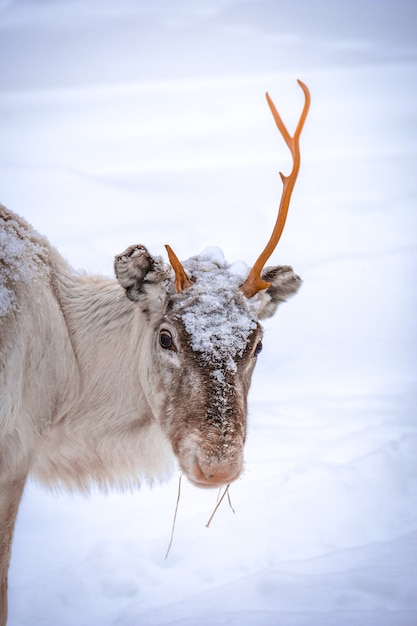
(20, 258)
(215, 313)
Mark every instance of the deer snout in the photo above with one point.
(215, 474)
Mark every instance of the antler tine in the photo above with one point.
(181, 279)
(254, 282)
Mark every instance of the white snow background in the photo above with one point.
(130, 121)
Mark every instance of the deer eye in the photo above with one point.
(165, 340)
(258, 348)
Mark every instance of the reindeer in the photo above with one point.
(106, 382)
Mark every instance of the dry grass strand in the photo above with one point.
(175, 518)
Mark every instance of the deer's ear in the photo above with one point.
(140, 274)
(284, 284)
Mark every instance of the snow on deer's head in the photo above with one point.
(203, 337)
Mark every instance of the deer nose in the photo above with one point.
(215, 474)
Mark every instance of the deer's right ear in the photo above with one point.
(283, 283)
(140, 274)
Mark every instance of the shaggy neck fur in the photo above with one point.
(92, 442)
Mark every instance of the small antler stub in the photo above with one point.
(182, 281)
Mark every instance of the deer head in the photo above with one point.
(204, 338)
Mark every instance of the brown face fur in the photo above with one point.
(205, 412)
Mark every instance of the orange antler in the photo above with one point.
(181, 279)
(254, 282)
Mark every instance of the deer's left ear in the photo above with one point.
(284, 284)
(141, 274)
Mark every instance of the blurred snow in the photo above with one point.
(135, 121)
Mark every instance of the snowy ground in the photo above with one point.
(134, 121)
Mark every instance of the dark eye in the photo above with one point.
(165, 340)
(258, 348)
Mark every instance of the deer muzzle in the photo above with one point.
(215, 474)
